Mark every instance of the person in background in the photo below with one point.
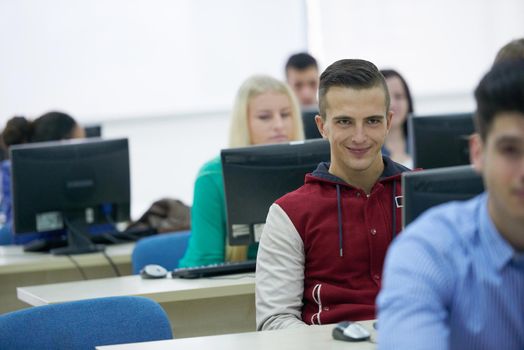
(302, 75)
(3, 149)
(514, 50)
(455, 278)
(265, 111)
(322, 248)
(396, 145)
(51, 126)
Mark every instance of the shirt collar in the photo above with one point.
(494, 245)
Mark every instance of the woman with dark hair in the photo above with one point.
(51, 126)
(402, 106)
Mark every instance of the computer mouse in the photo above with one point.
(350, 331)
(153, 271)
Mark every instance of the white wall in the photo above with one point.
(442, 47)
(110, 59)
(161, 72)
(166, 153)
(164, 72)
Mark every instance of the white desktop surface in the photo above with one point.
(18, 268)
(14, 260)
(160, 290)
(312, 337)
(195, 307)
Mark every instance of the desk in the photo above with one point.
(206, 306)
(18, 268)
(313, 337)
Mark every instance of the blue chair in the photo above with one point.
(164, 249)
(5, 235)
(85, 324)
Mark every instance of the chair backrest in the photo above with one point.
(164, 249)
(85, 324)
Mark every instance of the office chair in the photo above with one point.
(84, 324)
(165, 250)
(5, 235)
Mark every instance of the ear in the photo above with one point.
(389, 117)
(476, 155)
(321, 125)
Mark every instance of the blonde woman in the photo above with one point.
(265, 111)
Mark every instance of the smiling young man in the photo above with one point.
(455, 278)
(322, 249)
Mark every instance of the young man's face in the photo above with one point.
(356, 126)
(304, 83)
(500, 159)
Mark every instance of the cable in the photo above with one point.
(113, 265)
(77, 266)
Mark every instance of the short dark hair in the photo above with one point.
(53, 126)
(17, 130)
(301, 61)
(513, 50)
(500, 90)
(351, 73)
(48, 127)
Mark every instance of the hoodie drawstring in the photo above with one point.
(394, 233)
(339, 207)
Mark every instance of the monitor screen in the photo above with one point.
(440, 140)
(310, 127)
(70, 185)
(424, 189)
(256, 176)
(93, 130)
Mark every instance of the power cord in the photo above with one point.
(113, 265)
(77, 266)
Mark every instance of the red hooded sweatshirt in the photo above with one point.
(345, 233)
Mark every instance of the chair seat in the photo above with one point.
(164, 249)
(85, 324)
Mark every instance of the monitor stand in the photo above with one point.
(78, 241)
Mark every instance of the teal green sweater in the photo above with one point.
(207, 244)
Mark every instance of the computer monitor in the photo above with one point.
(94, 130)
(440, 140)
(424, 189)
(70, 185)
(310, 127)
(256, 176)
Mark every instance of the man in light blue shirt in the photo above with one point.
(454, 279)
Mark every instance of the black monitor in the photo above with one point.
(440, 140)
(256, 176)
(93, 130)
(310, 127)
(426, 188)
(70, 185)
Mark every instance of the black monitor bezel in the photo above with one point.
(54, 166)
(439, 185)
(311, 151)
(440, 140)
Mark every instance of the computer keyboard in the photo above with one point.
(226, 268)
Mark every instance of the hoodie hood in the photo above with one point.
(391, 173)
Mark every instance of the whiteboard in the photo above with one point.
(105, 60)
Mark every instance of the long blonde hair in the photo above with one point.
(250, 88)
(239, 131)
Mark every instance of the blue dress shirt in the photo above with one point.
(452, 282)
